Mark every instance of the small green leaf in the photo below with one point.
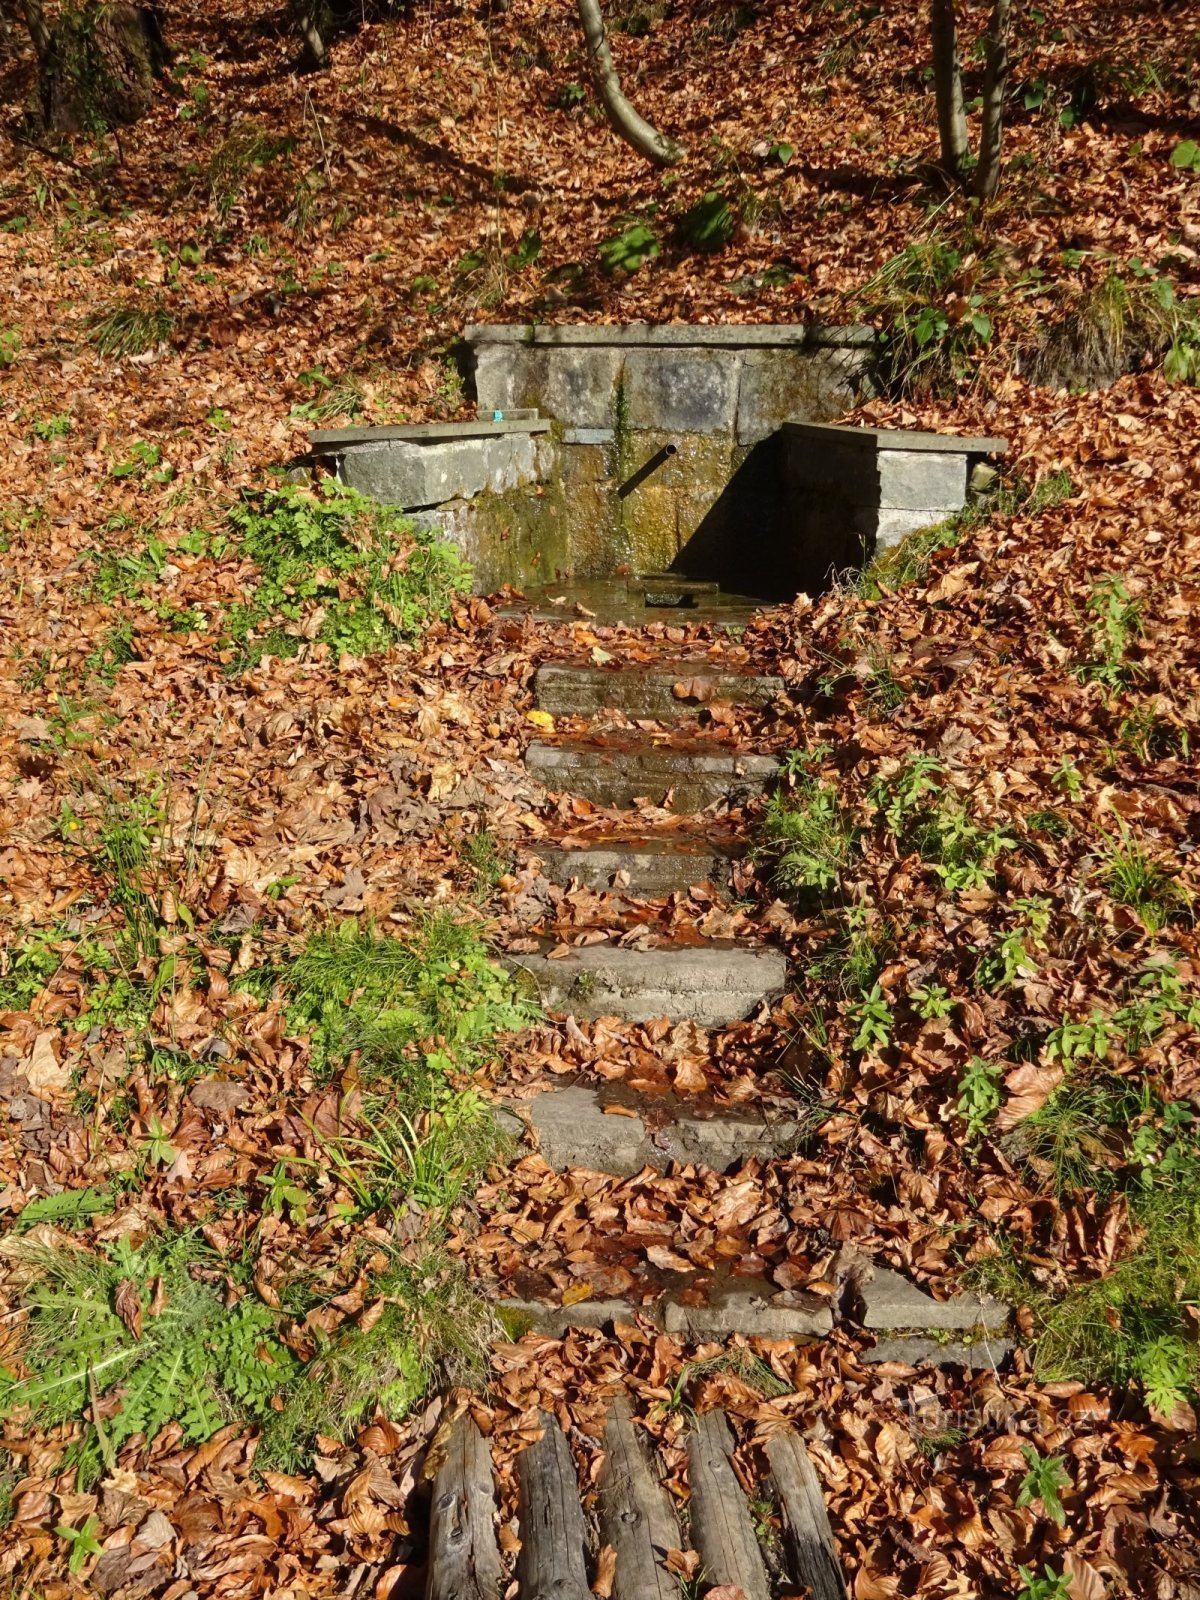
(1186, 154)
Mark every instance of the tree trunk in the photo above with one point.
(995, 81)
(635, 130)
(35, 21)
(98, 64)
(947, 84)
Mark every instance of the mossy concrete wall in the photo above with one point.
(665, 434)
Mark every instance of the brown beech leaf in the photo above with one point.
(129, 1306)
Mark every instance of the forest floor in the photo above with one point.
(263, 813)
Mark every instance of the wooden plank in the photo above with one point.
(722, 1528)
(464, 1556)
(553, 1563)
(809, 1538)
(636, 1515)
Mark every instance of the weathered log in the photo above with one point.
(464, 1556)
(722, 1527)
(636, 1516)
(807, 1534)
(553, 1562)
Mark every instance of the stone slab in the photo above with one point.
(724, 335)
(331, 439)
(754, 1310)
(778, 384)
(648, 691)
(554, 1321)
(979, 1355)
(883, 530)
(572, 1129)
(681, 390)
(416, 476)
(651, 869)
(911, 479)
(713, 986)
(893, 1303)
(896, 438)
(617, 776)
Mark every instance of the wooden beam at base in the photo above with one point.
(464, 1556)
(809, 1538)
(553, 1533)
(722, 1528)
(636, 1516)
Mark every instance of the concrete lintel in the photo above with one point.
(895, 438)
(327, 440)
(734, 336)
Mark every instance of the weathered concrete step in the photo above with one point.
(652, 866)
(675, 689)
(571, 1127)
(619, 772)
(912, 1327)
(609, 602)
(712, 985)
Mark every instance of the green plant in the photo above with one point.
(932, 1445)
(804, 831)
(138, 1329)
(376, 579)
(1075, 1139)
(932, 1000)
(1042, 1483)
(710, 223)
(248, 147)
(1067, 780)
(55, 427)
(871, 1020)
(1051, 1586)
(630, 249)
(427, 1161)
(1009, 959)
(10, 346)
(1116, 621)
(414, 1008)
(484, 858)
(934, 303)
(1133, 878)
(979, 1095)
(331, 399)
(142, 460)
(81, 1542)
(117, 575)
(129, 330)
(934, 821)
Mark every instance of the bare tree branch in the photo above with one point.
(634, 129)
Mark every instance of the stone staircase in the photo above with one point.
(633, 735)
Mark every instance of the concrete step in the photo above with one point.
(967, 1330)
(612, 601)
(621, 771)
(674, 689)
(606, 1131)
(654, 866)
(713, 985)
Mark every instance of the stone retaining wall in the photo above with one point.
(669, 435)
